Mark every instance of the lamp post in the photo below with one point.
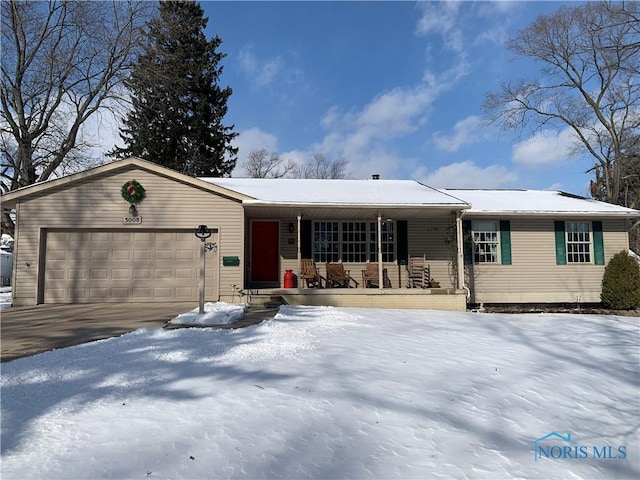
(202, 232)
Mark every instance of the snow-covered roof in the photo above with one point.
(534, 202)
(289, 191)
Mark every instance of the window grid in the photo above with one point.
(388, 245)
(578, 242)
(354, 242)
(485, 242)
(326, 243)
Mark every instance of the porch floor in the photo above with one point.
(429, 298)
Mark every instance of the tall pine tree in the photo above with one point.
(178, 106)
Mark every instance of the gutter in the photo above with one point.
(264, 203)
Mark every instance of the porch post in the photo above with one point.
(380, 279)
(460, 238)
(299, 238)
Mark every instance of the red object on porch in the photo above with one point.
(289, 279)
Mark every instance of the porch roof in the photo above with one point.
(338, 193)
(537, 202)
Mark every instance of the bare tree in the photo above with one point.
(590, 64)
(62, 62)
(321, 167)
(263, 164)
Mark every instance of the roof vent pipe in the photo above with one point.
(375, 176)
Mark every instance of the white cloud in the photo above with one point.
(544, 148)
(442, 18)
(396, 112)
(467, 175)
(465, 132)
(262, 71)
(252, 139)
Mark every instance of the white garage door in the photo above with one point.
(125, 266)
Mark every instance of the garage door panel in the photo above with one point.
(122, 237)
(162, 273)
(56, 274)
(162, 292)
(99, 273)
(77, 274)
(78, 254)
(120, 292)
(146, 237)
(99, 294)
(57, 254)
(137, 266)
(164, 254)
(140, 254)
(120, 274)
(182, 254)
(185, 292)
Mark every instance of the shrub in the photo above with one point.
(621, 283)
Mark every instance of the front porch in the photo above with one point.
(451, 299)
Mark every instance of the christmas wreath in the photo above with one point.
(133, 192)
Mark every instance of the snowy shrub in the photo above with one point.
(621, 283)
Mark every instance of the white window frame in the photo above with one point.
(486, 242)
(579, 242)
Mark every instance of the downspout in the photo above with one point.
(460, 240)
(298, 241)
(380, 270)
(460, 252)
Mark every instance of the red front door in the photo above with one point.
(264, 251)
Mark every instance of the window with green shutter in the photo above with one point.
(579, 242)
(487, 241)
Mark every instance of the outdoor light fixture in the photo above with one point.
(133, 211)
(292, 228)
(203, 232)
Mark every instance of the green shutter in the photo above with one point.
(467, 243)
(402, 240)
(561, 244)
(598, 243)
(505, 242)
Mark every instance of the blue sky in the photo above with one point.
(395, 88)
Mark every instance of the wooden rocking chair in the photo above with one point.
(338, 277)
(371, 276)
(418, 272)
(310, 274)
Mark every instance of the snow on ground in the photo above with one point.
(218, 313)
(323, 392)
(5, 297)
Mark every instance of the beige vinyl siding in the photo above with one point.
(428, 237)
(534, 276)
(96, 203)
(288, 251)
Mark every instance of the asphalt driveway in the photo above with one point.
(29, 330)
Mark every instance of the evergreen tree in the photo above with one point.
(178, 106)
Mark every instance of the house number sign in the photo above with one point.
(132, 220)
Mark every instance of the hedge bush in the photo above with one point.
(621, 283)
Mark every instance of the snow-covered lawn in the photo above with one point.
(327, 393)
(5, 297)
